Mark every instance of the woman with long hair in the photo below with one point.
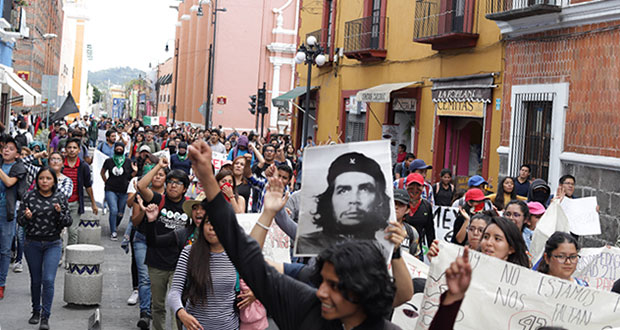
(227, 184)
(505, 193)
(502, 239)
(561, 257)
(240, 167)
(43, 213)
(136, 143)
(477, 224)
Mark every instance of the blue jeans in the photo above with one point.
(7, 231)
(42, 258)
(116, 202)
(144, 282)
(20, 243)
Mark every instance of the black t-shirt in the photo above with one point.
(443, 197)
(244, 190)
(171, 217)
(118, 178)
(422, 221)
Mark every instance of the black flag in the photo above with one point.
(67, 108)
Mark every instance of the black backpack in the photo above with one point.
(21, 139)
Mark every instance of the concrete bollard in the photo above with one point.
(84, 278)
(89, 231)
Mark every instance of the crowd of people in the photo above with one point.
(189, 253)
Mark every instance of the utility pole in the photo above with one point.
(176, 82)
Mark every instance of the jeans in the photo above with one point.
(74, 208)
(7, 231)
(144, 282)
(20, 243)
(42, 258)
(116, 202)
(160, 282)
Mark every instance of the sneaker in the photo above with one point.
(114, 237)
(144, 321)
(1, 292)
(34, 319)
(18, 267)
(44, 324)
(133, 299)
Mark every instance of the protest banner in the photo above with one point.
(502, 295)
(582, 215)
(218, 160)
(600, 267)
(277, 243)
(444, 217)
(406, 315)
(98, 184)
(347, 194)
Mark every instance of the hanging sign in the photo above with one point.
(461, 109)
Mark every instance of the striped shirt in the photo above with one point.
(65, 184)
(218, 313)
(72, 172)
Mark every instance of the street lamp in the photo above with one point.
(309, 53)
(44, 37)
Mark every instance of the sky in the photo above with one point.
(130, 32)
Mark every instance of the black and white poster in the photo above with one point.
(346, 194)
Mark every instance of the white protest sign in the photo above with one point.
(406, 315)
(98, 184)
(444, 217)
(101, 135)
(600, 267)
(277, 243)
(218, 159)
(582, 215)
(163, 153)
(502, 295)
(553, 220)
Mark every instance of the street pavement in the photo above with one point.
(15, 308)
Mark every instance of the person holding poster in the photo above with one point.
(355, 290)
(561, 257)
(354, 205)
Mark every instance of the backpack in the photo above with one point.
(21, 139)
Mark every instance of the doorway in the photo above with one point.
(463, 151)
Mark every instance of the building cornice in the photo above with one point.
(591, 12)
(280, 47)
(281, 60)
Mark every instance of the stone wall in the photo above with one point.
(605, 185)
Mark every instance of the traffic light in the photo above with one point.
(252, 104)
(261, 108)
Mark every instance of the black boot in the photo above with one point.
(44, 324)
(34, 319)
(145, 320)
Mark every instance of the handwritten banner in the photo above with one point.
(444, 217)
(218, 160)
(600, 267)
(277, 243)
(406, 315)
(507, 296)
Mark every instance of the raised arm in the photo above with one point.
(273, 203)
(143, 184)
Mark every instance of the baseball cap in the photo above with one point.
(536, 208)
(418, 164)
(475, 181)
(144, 148)
(475, 195)
(401, 196)
(415, 178)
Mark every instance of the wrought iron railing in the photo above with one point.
(430, 21)
(500, 6)
(318, 34)
(367, 33)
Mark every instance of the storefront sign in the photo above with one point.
(461, 109)
(403, 104)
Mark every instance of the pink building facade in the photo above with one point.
(255, 43)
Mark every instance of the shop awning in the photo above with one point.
(474, 88)
(31, 96)
(381, 93)
(282, 100)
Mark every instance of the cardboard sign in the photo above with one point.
(600, 267)
(277, 243)
(502, 295)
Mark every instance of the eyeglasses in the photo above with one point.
(512, 214)
(474, 230)
(175, 183)
(562, 258)
(55, 160)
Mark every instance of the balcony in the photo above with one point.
(505, 10)
(365, 38)
(445, 24)
(321, 37)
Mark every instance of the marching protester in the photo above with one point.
(295, 305)
(43, 213)
(519, 213)
(475, 229)
(474, 203)
(522, 182)
(420, 214)
(179, 160)
(560, 257)
(227, 184)
(505, 194)
(444, 190)
(116, 173)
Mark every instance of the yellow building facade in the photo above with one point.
(435, 68)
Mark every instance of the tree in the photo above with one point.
(96, 94)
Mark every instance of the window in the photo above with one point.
(531, 133)
(328, 27)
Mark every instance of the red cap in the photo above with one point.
(415, 178)
(474, 194)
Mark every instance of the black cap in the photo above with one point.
(401, 195)
(356, 162)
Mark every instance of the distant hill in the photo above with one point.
(117, 76)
